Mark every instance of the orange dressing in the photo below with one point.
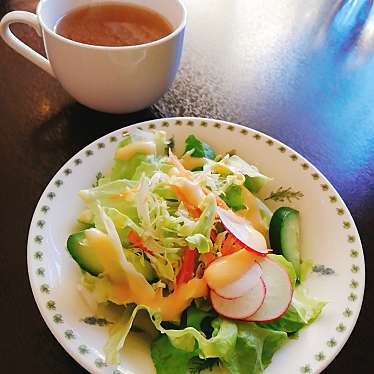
(129, 286)
(194, 211)
(191, 163)
(170, 307)
(228, 269)
(124, 194)
(128, 151)
(252, 212)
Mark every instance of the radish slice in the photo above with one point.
(241, 286)
(241, 307)
(278, 295)
(243, 231)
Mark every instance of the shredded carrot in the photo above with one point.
(229, 246)
(208, 258)
(213, 235)
(187, 269)
(137, 240)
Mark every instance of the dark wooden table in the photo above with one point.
(301, 71)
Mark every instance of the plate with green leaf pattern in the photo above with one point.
(329, 238)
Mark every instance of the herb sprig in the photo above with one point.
(282, 194)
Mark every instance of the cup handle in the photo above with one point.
(29, 19)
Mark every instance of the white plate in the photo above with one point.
(329, 237)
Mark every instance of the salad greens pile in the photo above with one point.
(162, 212)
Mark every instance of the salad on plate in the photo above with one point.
(185, 250)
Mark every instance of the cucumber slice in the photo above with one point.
(88, 260)
(284, 234)
(80, 251)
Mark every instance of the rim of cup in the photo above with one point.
(180, 27)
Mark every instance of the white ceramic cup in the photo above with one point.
(109, 79)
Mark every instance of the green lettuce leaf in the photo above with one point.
(103, 195)
(123, 223)
(199, 148)
(145, 168)
(188, 339)
(139, 163)
(165, 192)
(290, 322)
(168, 359)
(254, 349)
(126, 169)
(196, 316)
(141, 265)
(162, 143)
(117, 337)
(306, 267)
(241, 347)
(198, 241)
(308, 307)
(220, 344)
(246, 174)
(304, 309)
(207, 217)
(233, 197)
(254, 184)
(265, 212)
(254, 180)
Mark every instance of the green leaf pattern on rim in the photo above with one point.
(41, 223)
(341, 327)
(44, 288)
(69, 334)
(38, 239)
(333, 199)
(44, 209)
(38, 255)
(331, 342)
(51, 195)
(354, 253)
(51, 305)
(57, 318)
(100, 363)
(353, 284)
(83, 350)
(40, 272)
(305, 369)
(355, 268)
(347, 312)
